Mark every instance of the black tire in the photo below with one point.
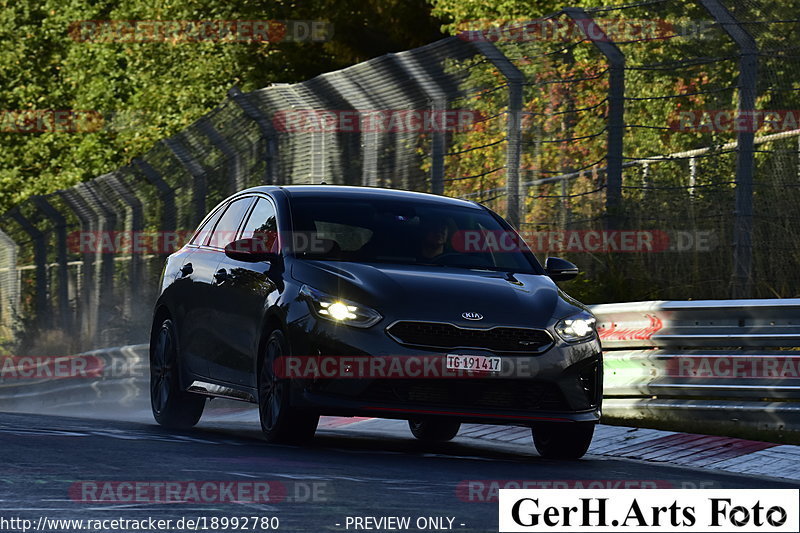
(434, 429)
(172, 407)
(568, 440)
(280, 422)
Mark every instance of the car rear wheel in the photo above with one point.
(280, 422)
(434, 430)
(171, 406)
(568, 440)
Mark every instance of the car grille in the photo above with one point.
(444, 336)
(512, 395)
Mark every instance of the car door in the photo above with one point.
(206, 339)
(243, 293)
(191, 293)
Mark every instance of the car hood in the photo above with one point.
(442, 294)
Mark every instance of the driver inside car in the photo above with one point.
(434, 234)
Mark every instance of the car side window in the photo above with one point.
(226, 228)
(262, 221)
(204, 230)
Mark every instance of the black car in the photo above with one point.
(316, 300)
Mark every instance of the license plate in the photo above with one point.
(473, 363)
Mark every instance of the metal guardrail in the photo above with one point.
(729, 366)
(109, 377)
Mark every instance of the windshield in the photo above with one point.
(408, 233)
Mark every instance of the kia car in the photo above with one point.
(316, 300)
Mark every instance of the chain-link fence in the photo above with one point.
(652, 144)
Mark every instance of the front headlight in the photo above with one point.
(339, 310)
(580, 327)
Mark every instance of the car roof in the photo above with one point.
(352, 192)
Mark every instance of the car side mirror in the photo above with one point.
(560, 269)
(251, 250)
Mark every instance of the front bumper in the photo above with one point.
(562, 384)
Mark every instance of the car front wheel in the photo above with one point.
(172, 407)
(280, 422)
(568, 440)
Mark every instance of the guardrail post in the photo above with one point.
(616, 110)
(40, 258)
(60, 225)
(252, 112)
(742, 276)
(515, 80)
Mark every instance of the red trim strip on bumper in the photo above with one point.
(478, 415)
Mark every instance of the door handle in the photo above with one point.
(186, 269)
(220, 275)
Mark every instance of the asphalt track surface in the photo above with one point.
(367, 468)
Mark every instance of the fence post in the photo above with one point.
(198, 174)
(515, 80)
(165, 192)
(232, 163)
(616, 110)
(252, 112)
(40, 258)
(742, 276)
(60, 225)
(114, 184)
(9, 285)
(107, 219)
(87, 307)
(438, 104)
(438, 108)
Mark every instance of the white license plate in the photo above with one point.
(473, 363)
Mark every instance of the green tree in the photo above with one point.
(141, 92)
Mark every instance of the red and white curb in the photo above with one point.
(681, 449)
